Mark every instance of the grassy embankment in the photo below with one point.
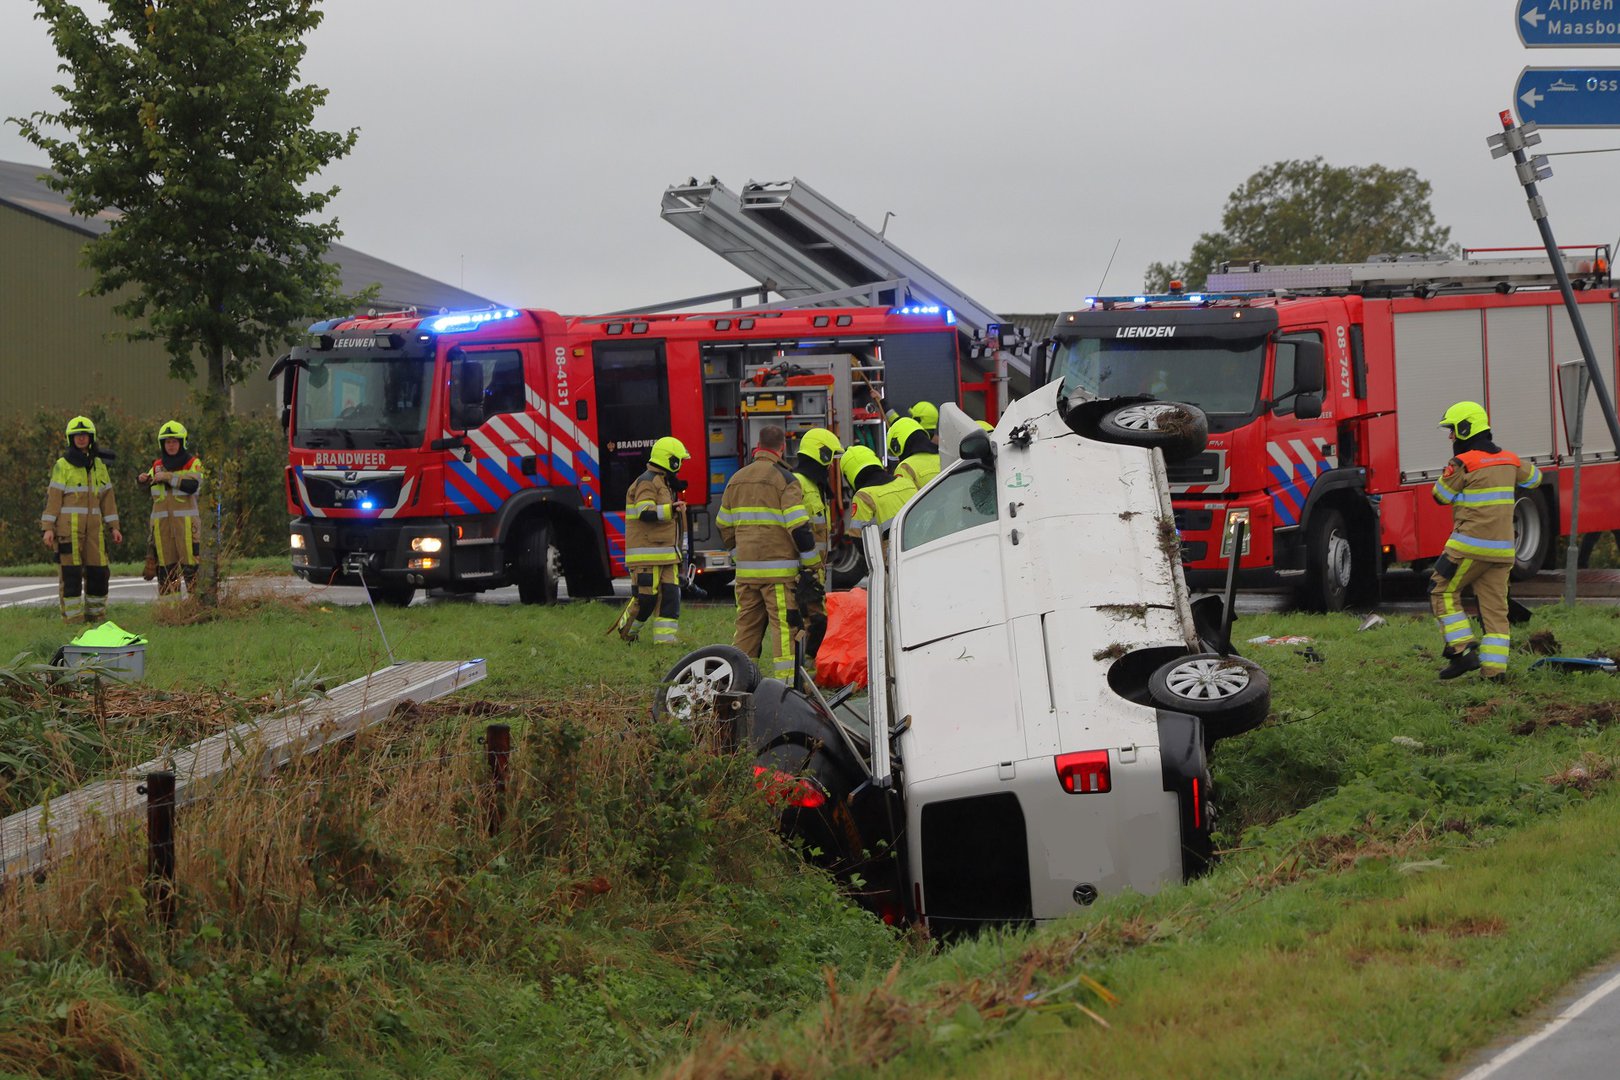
(268, 564)
(1413, 864)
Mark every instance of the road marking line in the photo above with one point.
(1521, 1047)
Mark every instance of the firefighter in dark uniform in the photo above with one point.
(1479, 485)
(79, 506)
(763, 521)
(652, 512)
(818, 449)
(174, 479)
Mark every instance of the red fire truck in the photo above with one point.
(474, 450)
(1324, 386)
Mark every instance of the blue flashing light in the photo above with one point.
(323, 326)
(468, 320)
(950, 317)
(1141, 299)
(1195, 298)
(368, 505)
(923, 309)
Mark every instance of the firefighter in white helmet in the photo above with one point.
(652, 513)
(1479, 485)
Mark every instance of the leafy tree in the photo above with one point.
(1313, 212)
(187, 122)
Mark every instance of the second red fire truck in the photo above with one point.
(1324, 385)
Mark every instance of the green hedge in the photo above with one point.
(244, 462)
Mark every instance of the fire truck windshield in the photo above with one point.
(362, 402)
(1219, 375)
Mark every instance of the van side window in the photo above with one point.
(961, 500)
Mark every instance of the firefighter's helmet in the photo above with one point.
(857, 459)
(1466, 419)
(820, 445)
(900, 433)
(81, 425)
(986, 425)
(668, 454)
(173, 429)
(926, 413)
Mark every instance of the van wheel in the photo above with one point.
(1179, 430)
(689, 688)
(1229, 694)
(1329, 563)
(537, 566)
(1532, 537)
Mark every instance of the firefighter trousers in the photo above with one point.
(766, 616)
(1489, 581)
(656, 588)
(82, 592)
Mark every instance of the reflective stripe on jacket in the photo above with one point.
(764, 522)
(1479, 487)
(176, 528)
(651, 543)
(77, 504)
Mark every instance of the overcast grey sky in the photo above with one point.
(520, 147)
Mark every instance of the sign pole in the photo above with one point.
(1513, 140)
(1572, 552)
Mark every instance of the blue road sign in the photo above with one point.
(1569, 97)
(1552, 24)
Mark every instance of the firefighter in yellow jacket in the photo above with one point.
(652, 513)
(79, 507)
(1479, 485)
(878, 495)
(916, 452)
(764, 522)
(174, 479)
(818, 449)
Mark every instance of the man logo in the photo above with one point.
(351, 477)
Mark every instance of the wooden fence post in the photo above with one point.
(498, 749)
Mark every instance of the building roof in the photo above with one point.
(22, 188)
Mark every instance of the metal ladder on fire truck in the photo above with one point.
(799, 244)
(1479, 270)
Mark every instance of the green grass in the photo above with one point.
(260, 565)
(1411, 866)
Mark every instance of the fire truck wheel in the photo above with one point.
(393, 593)
(1531, 535)
(847, 565)
(1229, 694)
(1179, 430)
(1329, 562)
(535, 567)
(688, 689)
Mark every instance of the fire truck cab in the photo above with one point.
(1324, 386)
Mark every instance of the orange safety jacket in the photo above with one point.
(1479, 487)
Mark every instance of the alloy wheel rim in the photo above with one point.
(1208, 679)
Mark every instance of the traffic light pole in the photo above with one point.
(1513, 140)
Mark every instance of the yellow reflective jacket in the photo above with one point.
(877, 504)
(918, 468)
(77, 505)
(1479, 487)
(651, 543)
(176, 527)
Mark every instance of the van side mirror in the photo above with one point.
(1308, 406)
(976, 446)
(1308, 366)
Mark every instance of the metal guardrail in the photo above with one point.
(31, 839)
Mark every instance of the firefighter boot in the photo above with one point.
(1461, 663)
(149, 571)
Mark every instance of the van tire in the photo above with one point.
(1179, 430)
(847, 566)
(689, 687)
(1229, 694)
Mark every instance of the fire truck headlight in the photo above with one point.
(1234, 518)
(297, 541)
(426, 543)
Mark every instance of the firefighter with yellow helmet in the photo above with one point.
(1479, 485)
(174, 480)
(652, 514)
(79, 508)
(763, 521)
(917, 454)
(818, 449)
(878, 495)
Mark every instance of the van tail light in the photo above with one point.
(782, 788)
(1083, 772)
(1197, 805)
